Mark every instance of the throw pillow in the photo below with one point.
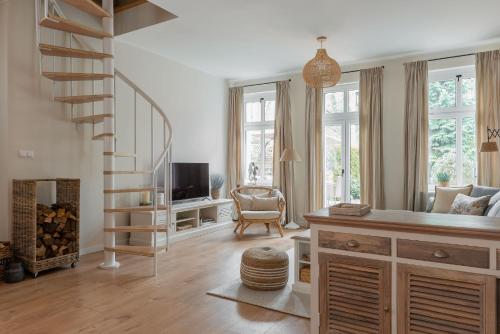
(494, 210)
(445, 197)
(265, 204)
(472, 206)
(494, 200)
(245, 201)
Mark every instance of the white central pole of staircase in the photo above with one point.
(109, 142)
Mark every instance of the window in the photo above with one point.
(341, 144)
(452, 138)
(259, 138)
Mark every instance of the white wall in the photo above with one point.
(30, 120)
(393, 117)
(195, 103)
(4, 189)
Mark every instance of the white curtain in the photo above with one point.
(235, 104)
(314, 148)
(487, 114)
(371, 141)
(416, 136)
(283, 171)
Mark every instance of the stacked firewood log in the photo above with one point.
(56, 230)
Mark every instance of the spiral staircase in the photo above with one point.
(70, 59)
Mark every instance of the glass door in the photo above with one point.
(334, 161)
(341, 162)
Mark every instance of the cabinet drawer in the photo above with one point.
(444, 253)
(355, 242)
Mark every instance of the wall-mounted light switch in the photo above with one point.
(26, 154)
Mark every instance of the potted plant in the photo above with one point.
(443, 179)
(216, 183)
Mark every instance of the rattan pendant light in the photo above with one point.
(322, 71)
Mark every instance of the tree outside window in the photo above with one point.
(452, 138)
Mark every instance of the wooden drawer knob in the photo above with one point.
(386, 308)
(440, 254)
(352, 243)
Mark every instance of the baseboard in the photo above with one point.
(90, 250)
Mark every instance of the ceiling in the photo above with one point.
(246, 39)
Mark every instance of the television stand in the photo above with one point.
(189, 219)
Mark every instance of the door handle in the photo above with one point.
(440, 254)
(352, 244)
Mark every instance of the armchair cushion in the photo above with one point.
(245, 201)
(260, 214)
(264, 204)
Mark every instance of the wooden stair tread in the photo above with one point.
(59, 51)
(59, 23)
(92, 119)
(135, 209)
(102, 136)
(123, 172)
(128, 190)
(78, 99)
(134, 250)
(120, 154)
(137, 228)
(68, 76)
(88, 6)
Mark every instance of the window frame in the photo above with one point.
(458, 113)
(261, 126)
(344, 119)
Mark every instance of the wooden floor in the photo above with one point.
(130, 300)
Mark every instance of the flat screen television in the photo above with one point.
(189, 181)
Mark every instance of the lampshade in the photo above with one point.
(489, 146)
(322, 71)
(289, 154)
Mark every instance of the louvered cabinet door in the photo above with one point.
(354, 295)
(437, 301)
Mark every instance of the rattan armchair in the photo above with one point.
(247, 216)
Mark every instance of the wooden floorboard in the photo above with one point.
(130, 300)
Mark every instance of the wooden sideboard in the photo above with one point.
(404, 272)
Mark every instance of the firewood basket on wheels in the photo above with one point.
(46, 237)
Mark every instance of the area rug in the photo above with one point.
(284, 300)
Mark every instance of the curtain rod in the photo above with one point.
(451, 57)
(265, 83)
(354, 71)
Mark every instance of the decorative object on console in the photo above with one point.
(305, 274)
(349, 209)
(145, 198)
(446, 195)
(216, 183)
(290, 156)
(466, 205)
(443, 179)
(253, 170)
(321, 71)
(490, 146)
(264, 268)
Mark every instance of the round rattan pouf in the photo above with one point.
(264, 268)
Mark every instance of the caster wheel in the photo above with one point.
(35, 275)
(73, 265)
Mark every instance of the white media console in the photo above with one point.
(189, 219)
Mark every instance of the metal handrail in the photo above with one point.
(168, 142)
(164, 157)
